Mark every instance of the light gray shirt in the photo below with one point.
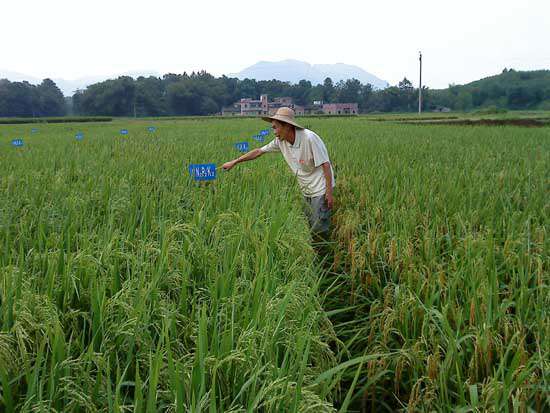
(305, 158)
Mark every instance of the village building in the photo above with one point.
(442, 109)
(315, 109)
(232, 110)
(277, 103)
(251, 107)
(263, 107)
(340, 108)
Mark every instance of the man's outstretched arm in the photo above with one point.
(249, 156)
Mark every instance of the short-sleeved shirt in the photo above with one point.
(305, 158)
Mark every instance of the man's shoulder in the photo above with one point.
(310, 136)
(308, 133)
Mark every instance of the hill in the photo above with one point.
(510, 89)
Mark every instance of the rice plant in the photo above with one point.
(443, 257)
(126, 286)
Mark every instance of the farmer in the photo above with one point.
(308, 159)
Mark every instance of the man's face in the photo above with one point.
(278, 129)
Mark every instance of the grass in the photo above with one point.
(124, 286)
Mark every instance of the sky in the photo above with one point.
(461, 41)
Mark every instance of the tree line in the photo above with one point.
(510, 89)
(203, 94)
(21, 99)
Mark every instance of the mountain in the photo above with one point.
(69, 86)
(294, 70)
(286, 70)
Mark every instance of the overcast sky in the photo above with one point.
(461, 41)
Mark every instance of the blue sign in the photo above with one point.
(264, 132)
(242, 146)
(124, 131)
(17, 142)
(258, 138)
(203, 171)
(151, 129)
(34, 130)
(79, 136)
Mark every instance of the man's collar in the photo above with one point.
(297, 138)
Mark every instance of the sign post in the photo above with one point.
(242, 146)
(203, 171)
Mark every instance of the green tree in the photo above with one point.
(328, 90)
(405, 85)
(300, 92)
(180, 98)
(367, 93)
(18, 99)
(150, 97)
(110, 98)
(248, 89)
(464, 100)
(349, 91)
(50, 99)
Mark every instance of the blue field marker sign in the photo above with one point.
(151, 129)
(17, 142)
(34, 130)
(203, 171)
(79, 136)
(264, 132)
(124, 131)
(242, 146)
(258, 138)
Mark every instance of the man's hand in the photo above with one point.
(327, 171)
(253, 154)
(330, 200)
(228, 165)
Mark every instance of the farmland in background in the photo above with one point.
(126, 286)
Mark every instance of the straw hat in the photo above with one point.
(283, 114)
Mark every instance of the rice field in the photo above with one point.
(126, 286)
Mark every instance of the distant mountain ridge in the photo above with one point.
(294, 70)
(286, 70)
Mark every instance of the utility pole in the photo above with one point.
(420, 87)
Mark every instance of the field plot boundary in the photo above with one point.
(525, 123)
(68, 119)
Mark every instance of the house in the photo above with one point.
(251, 107)
(299, 110)
(279, 103)
(315, 109)
(263, 107)
(232, 110)
(340, 108)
